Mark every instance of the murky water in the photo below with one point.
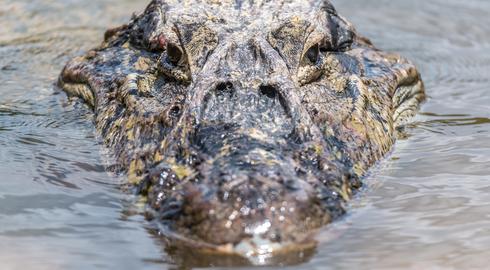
(427, 208)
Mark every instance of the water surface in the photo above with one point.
(427, 206)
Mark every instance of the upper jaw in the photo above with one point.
(272, 206)
(248, 252)
(233, 230)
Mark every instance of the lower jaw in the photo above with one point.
(256, 247)
(252, 251)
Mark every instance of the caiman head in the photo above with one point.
(246, 125)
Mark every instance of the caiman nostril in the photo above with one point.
(224, 88)
(268, 91)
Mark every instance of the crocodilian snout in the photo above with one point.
(256, 189)
(260, 181)
(248, 202)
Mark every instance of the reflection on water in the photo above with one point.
(426, 207)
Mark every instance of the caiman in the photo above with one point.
(245, 125)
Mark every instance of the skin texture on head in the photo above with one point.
(247, 125)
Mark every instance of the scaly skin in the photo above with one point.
(247, 125)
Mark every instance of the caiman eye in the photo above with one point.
(173, 63)
(341, 46)
(344, 45)
(175, 54)
(310, 68)
(312, 55)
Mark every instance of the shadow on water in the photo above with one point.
(452, 120)
(189, 258)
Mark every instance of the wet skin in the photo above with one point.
(246, 125)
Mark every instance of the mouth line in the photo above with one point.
(407, 97)
(79, 88)
(254, 248)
